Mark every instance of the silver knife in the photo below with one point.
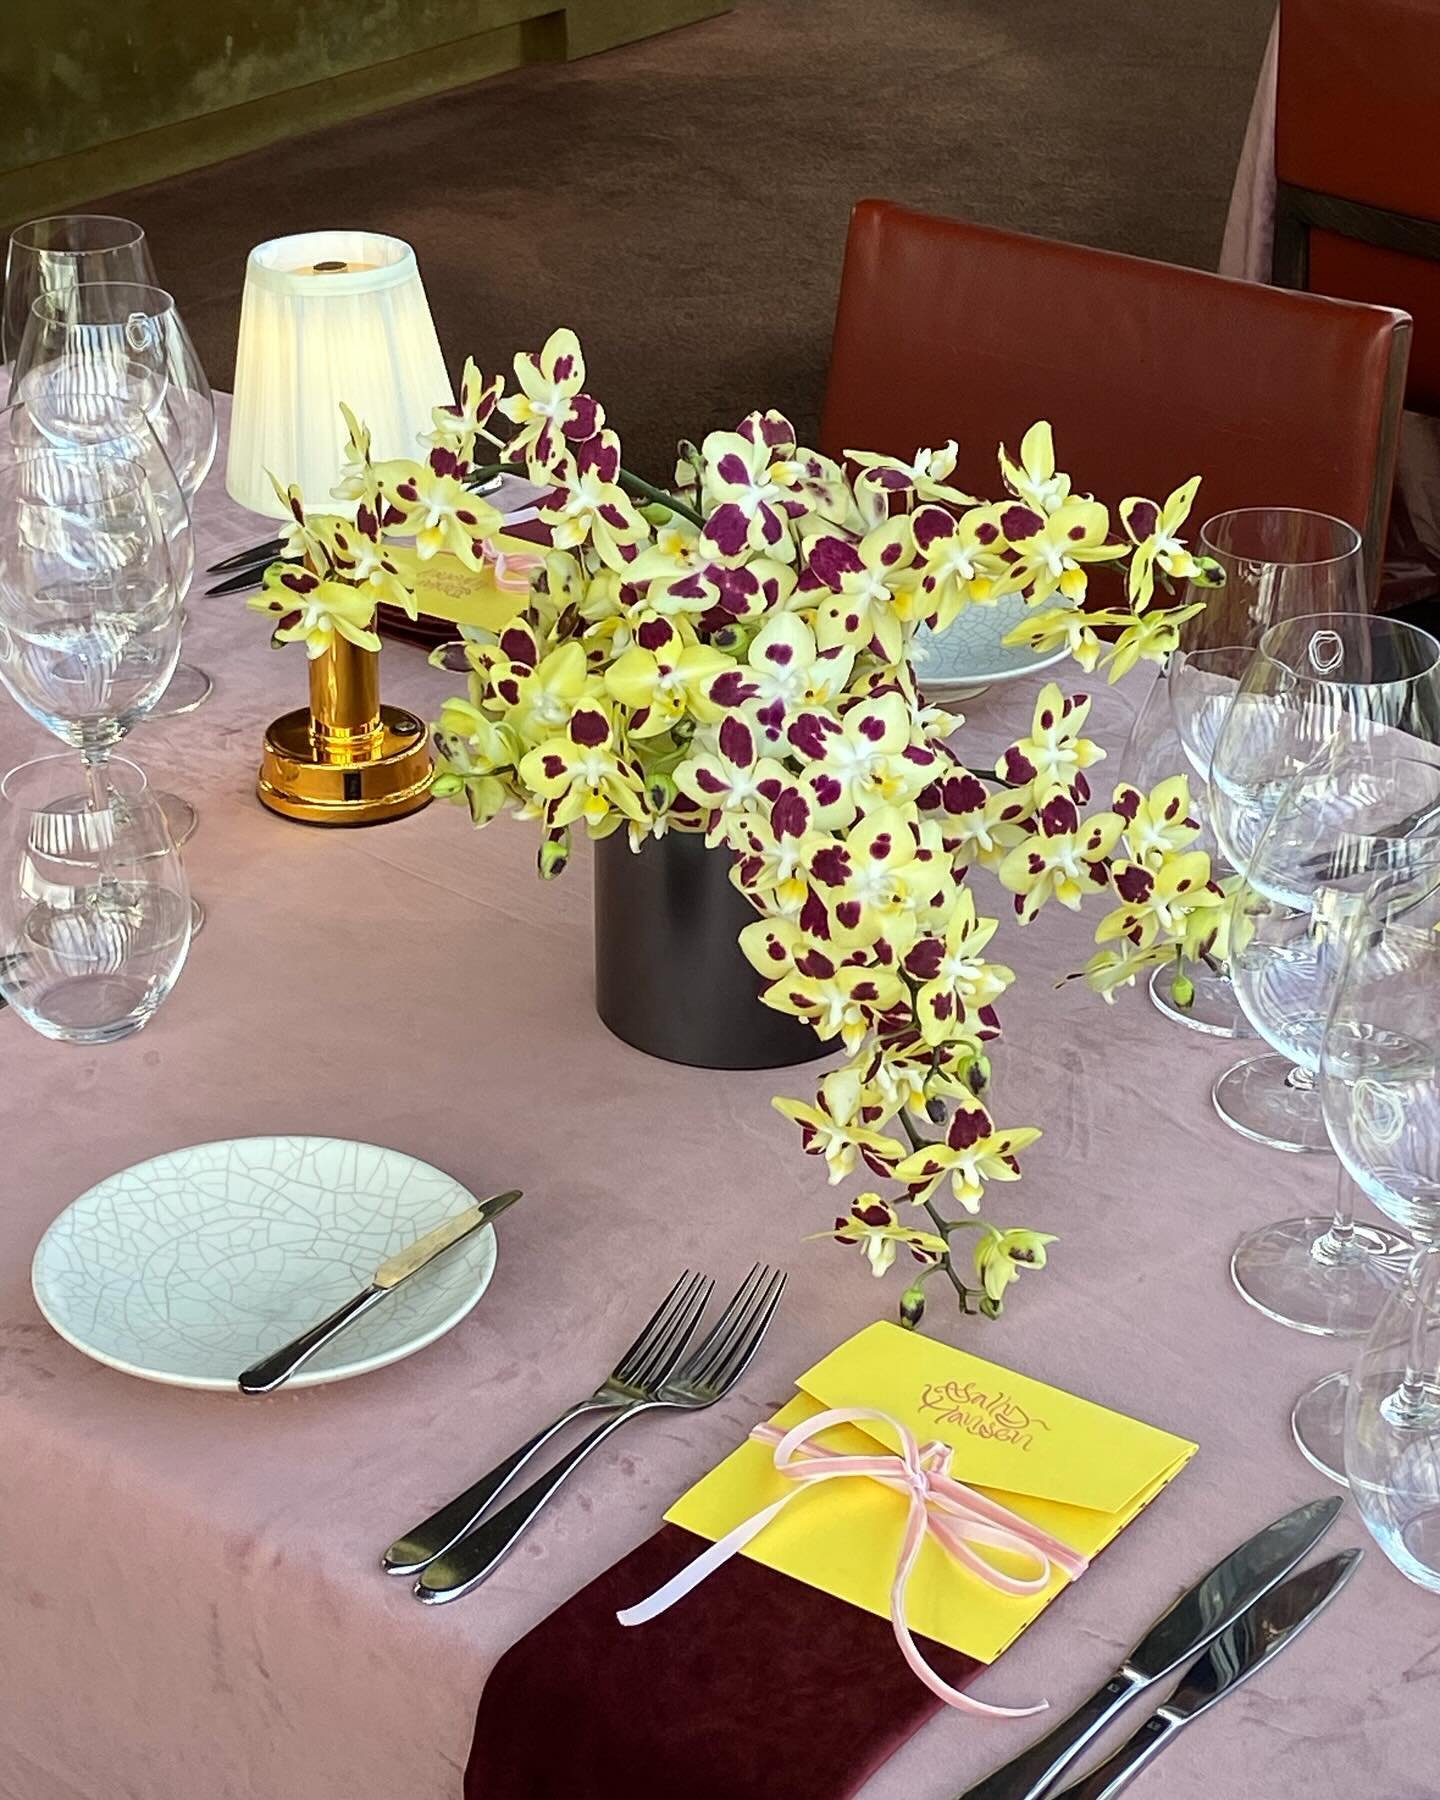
(271, 1371)
(1213, 1604)
(1236, 1654)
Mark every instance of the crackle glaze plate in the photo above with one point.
(186, 1268)
(969, 654)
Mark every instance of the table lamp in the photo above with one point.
(331, 316)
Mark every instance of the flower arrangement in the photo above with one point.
(730, 656)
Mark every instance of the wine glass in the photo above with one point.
(1368, 805)
(1308, 677)
(1380, 1085)
(1279, 562)
(1199, 686)
(94, 907)
(47, 256)
(107, 349)
(89, 614)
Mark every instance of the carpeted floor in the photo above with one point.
(682, 202)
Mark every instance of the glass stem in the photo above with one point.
(1300, 1080)
(97, 797)
(1339, 1240)
(1409, 1406)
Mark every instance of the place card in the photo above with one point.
(1075, 1469)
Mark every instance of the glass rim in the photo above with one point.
(52, 760)
(21, 235)
(1395, 628)
(1295, 512)
(1183, 658)
(45, 305)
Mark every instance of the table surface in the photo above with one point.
(190, 1603)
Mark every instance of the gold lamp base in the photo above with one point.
(385, 778)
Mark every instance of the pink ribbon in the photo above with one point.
(513, 568)
(957, 1516)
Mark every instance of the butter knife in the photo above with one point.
(1196, 1618)
(1258, 1634)
(272, 1371)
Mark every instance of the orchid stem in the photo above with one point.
(632, 484)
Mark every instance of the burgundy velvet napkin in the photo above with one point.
(753, 1684)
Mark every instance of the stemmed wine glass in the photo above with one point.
(46, 256)
(1380, 1086)
(1308, 677)
(107, 350)
(1199, 686)
(89, 613)
(94, 905)
(1279, 562)
(1368, 804)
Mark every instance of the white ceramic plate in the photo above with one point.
(969, 654)
(187, 1268)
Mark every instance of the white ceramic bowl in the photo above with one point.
(187, 1268)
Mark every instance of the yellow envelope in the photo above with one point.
(446, 589)
(1077, 1470)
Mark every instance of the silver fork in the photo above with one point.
(637, 1376)
(707, 1374)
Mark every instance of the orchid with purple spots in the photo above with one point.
(731, 656)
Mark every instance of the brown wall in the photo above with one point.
(98, 95)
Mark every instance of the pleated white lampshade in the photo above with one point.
(329, 316)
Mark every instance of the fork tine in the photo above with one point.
(738, 1360)
(704, 1351)
(699, 1367)
(670, 1345)
(644, 1337)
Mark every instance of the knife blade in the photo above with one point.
(1197, 1617)
(265, 552)
(1262, 1631)
(247, 578)
(271, 1371)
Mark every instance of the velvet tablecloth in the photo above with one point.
(190, 1605)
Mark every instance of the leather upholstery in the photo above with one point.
(1358, 110)
(1149, 373)
(1358, 118)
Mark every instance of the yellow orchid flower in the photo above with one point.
(581, 774)
(972, 1153)
(1000, 1256)
(835, 1127)
(1152, 530)
(665, 686)
(1034, 478)
(1053, 757)
(313, 611)
(874, 1224)
(1054, 548)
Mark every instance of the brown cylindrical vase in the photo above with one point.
(670, 977)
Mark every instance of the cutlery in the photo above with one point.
(1258, 1634)
(1198, 1616)
(637, 1376)
(266, 552)
(706, 1375)
(272, 1371)
(250, 576)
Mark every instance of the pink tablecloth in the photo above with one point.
(190, 1607)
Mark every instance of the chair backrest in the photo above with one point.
(1357, 162)
(1148, 373)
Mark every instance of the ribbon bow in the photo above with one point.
(958, 1517)
(513, 568)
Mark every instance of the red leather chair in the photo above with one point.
(1148, 373)
(1357, 205)
(1357, 163)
